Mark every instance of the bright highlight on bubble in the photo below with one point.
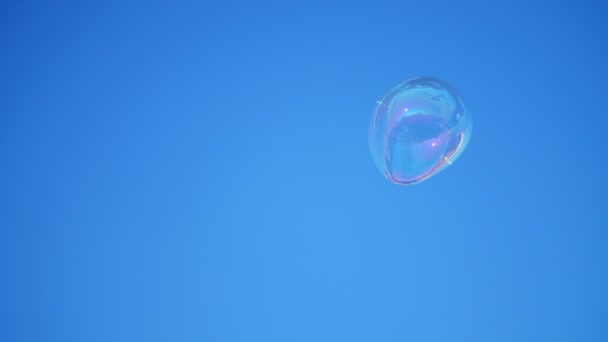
(418, 129)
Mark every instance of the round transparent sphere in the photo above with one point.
(418, 129)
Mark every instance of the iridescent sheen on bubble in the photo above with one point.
(418, 129)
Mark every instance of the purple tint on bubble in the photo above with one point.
(418, 129)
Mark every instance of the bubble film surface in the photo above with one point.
(418, 129)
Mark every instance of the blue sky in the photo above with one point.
(199, 171)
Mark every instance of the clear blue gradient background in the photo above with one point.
(199, 171)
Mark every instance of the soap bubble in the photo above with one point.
(418, 129)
